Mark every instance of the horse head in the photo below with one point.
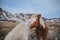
(36, 22)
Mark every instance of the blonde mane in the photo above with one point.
(42, 22)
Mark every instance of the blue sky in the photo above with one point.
(48, 8)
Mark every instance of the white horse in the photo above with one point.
(21, 31)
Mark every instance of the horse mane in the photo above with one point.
(41, 32)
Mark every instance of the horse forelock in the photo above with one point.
(42, 22)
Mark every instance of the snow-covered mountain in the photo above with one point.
(53, 21)
(4, 15)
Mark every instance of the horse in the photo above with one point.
(22, 30)
(41, 28)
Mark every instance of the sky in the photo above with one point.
(48, 8)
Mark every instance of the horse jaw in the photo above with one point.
(42, 22)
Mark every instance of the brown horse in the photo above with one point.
(41, 28)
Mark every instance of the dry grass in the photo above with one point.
(5, 27)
